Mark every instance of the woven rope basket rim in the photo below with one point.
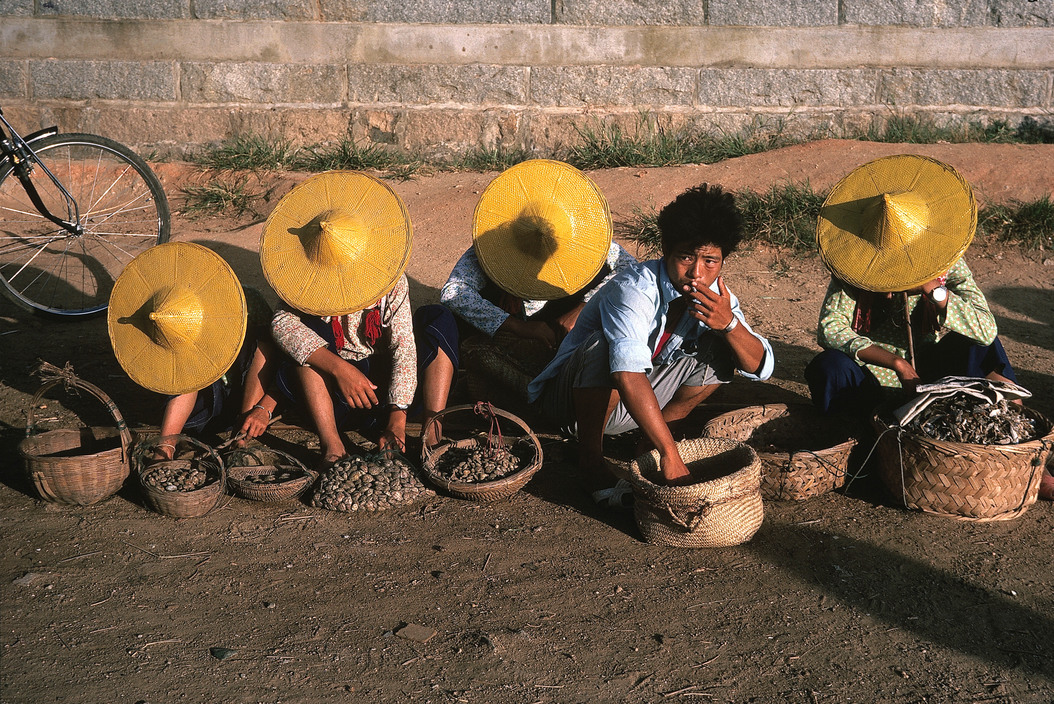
(721, 512)
(797, 475)
(494, 490)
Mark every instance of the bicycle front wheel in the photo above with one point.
(122, 211)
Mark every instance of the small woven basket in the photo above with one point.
(962, 480)
(189, 454)
(483, 492)
(818, 466)
(723, 509)
(77, 466)
(243, 463)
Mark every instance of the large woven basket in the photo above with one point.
(803, 452)
(722, 509)
(962, 480)
(243, 463)
(496, 435)
(189, 453)
(78, 466)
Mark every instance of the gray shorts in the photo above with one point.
(589, 366)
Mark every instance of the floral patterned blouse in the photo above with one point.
(967, 313)
(463, 291)
(300, 341)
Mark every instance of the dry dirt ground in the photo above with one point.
(543, 597)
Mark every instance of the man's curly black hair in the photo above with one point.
(702, 215)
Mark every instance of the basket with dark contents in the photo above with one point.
(78, 466)
(471, 462)
(803, 453)
(374, 482)
(721, 507)
(180, 476)
(265, 474)
(965, 458)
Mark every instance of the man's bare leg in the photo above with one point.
(593, 407)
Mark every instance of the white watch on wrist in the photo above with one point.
(939, 294)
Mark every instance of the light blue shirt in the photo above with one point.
(631, 311)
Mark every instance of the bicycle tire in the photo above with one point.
(123, 212)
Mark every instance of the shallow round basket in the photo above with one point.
(76, 466)
(189, 453)
(962, 480)
(817, 458)
(482, 492)
(723, 508)
(244, 463)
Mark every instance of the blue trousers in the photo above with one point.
(838, 384)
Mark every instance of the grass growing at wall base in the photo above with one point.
(785, 217)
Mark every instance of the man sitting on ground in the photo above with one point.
(655, 342)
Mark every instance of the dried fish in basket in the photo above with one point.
(966, 480)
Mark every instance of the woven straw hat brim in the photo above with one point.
(542, 230)
(336, 243)
(896, 223)
(176, 318)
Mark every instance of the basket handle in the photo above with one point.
(428, 449)
(52, 376)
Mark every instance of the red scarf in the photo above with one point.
(371, 328)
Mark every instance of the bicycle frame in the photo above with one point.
(18, 150)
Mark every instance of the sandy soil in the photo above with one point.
(541, 598)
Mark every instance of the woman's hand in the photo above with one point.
(255, 422)
(355, 386)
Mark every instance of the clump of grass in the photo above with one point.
(346, 154)
(923, 129)
(642, 229)
(220, 197)
(1027, 224)
(248, 152)
(784, 216)
(490, 159)
(607, 145)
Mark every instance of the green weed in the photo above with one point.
(346, 154)
(220, 197)
(1028, 224)
(489, 159)
(248, 153)
(784, 216)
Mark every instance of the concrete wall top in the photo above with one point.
(785, 13)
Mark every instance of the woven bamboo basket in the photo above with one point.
(962, 480)
(189, 454)
(498, 370)
(817, 458)
(243, 463)
(77, 466)
(484, 492)
(722, 509)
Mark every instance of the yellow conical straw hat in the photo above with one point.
(542, 230)
(176, 318)
(336, 243)
(896, 223)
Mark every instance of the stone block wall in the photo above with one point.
(444, 76)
